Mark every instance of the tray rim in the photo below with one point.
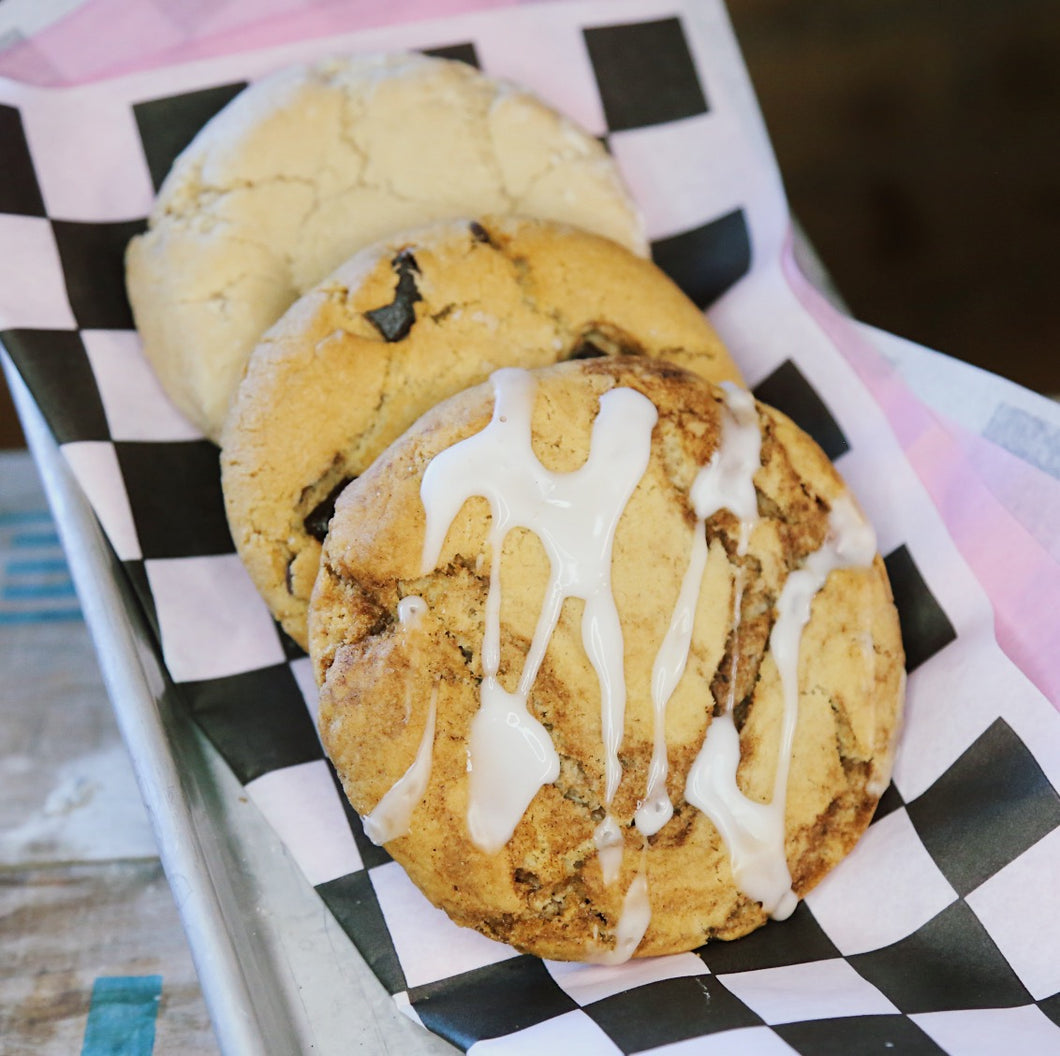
(211, 840)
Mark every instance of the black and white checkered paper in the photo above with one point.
(938, 934)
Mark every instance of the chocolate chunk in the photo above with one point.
(527, 879)
(479, 233)
(394, 320)
(601, 339)
(585, 349)
(319, 517)
(740, 712)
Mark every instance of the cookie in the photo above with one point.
(399, 327)
(311, 164)
(608, 659)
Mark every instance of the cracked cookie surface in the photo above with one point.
(309, 165)
(381, 675)
(402, 325)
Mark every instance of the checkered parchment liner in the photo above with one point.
(938, 934)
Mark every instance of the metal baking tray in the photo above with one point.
(278, 974)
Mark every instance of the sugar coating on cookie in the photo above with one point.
(608, 659)
(309, 165)
(402, 325)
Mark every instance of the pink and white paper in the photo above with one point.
(967, 505)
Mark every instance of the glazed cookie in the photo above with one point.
(608, 659)
(399, 327)
(309, 165)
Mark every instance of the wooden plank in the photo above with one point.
(63, 926)
(82, 893)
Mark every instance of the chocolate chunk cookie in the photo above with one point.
(311, 164)
(403, 325)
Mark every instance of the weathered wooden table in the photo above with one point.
(82, 892)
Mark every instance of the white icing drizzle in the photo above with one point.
(410, 611)
(392, 814)
(632, 924)
(510, 756)
(655, 809)
(754, 832)
(575, 516)
(725, 482)
(609, 847)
